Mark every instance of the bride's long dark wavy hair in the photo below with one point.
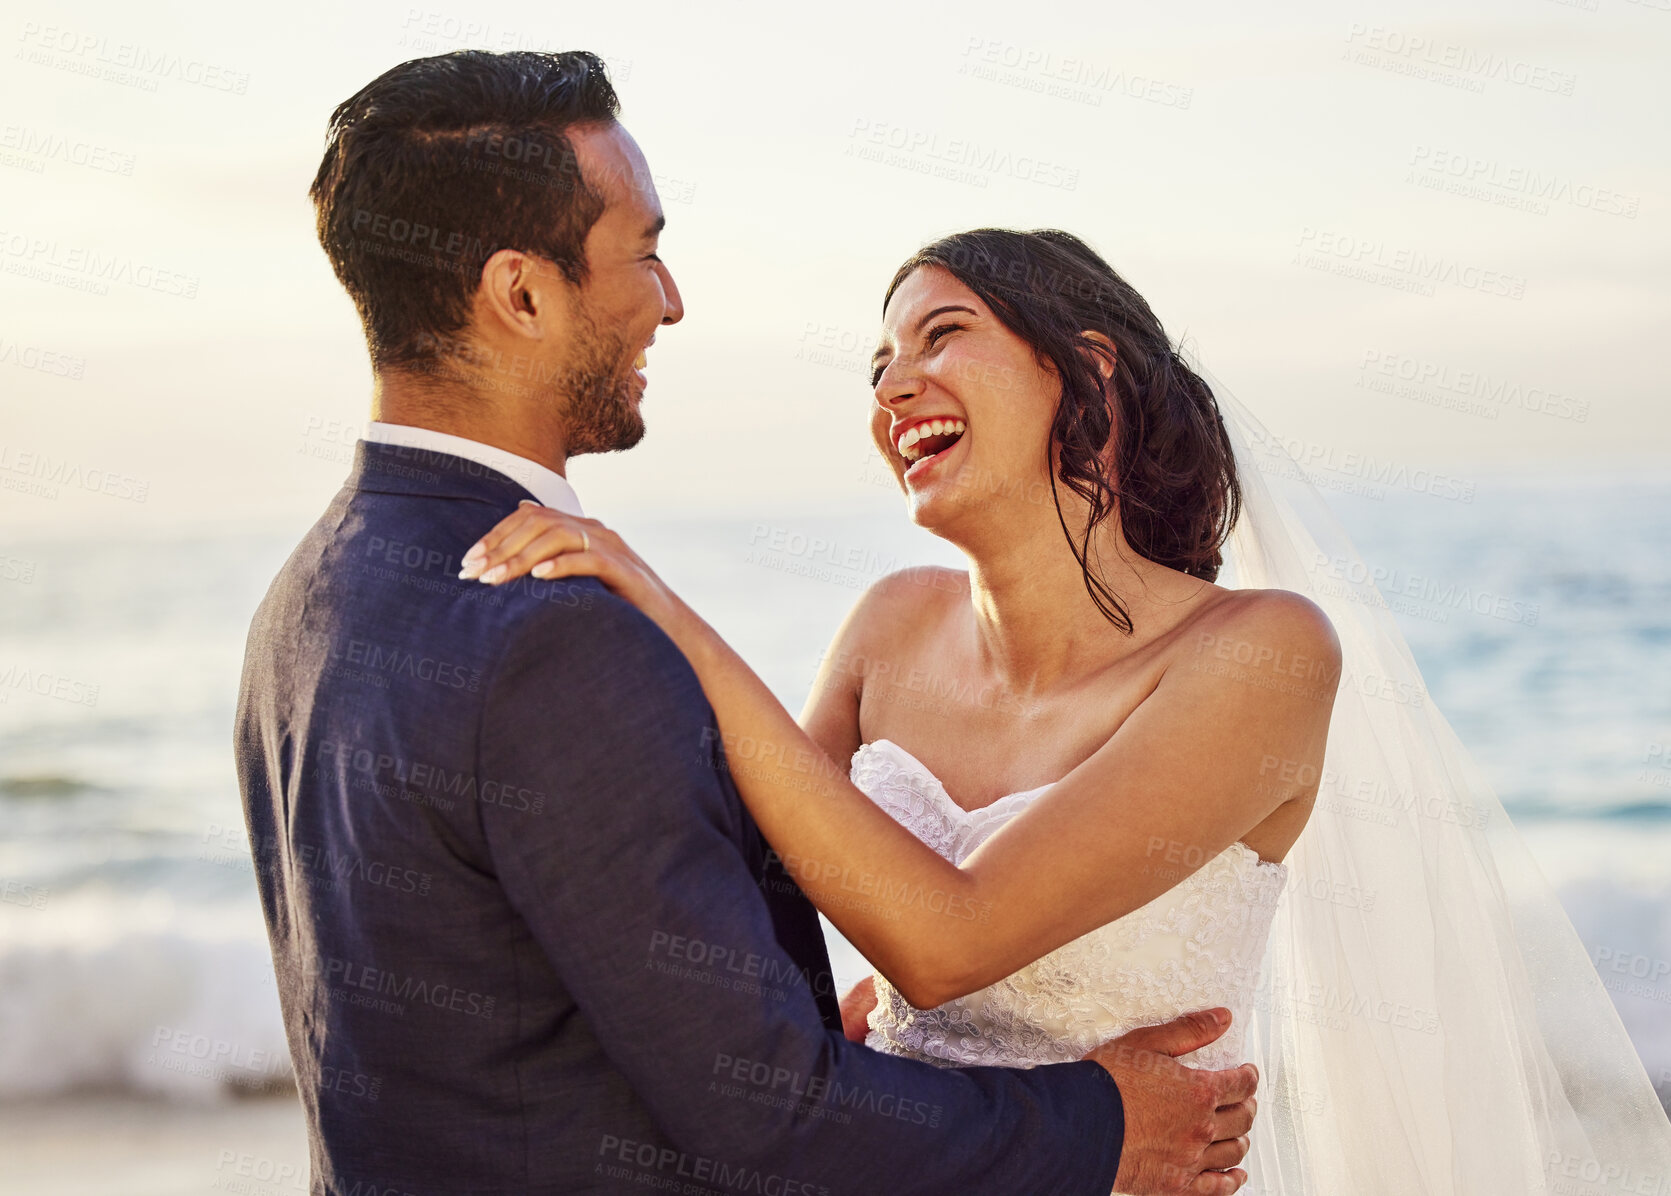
(1172, 473)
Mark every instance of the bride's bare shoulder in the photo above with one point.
(1263, 627)
(903, 607)
(892, 618)
(914, 596)
(921, 582)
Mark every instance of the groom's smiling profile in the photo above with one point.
(531, 764)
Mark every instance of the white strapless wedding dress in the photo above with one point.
(1195, 946)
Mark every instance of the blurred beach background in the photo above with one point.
(1426, 244)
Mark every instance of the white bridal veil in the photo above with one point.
(1427, 1021)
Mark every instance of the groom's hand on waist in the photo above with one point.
(1186, 1129)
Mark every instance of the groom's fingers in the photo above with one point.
(1181, 1035)
(1221, 1156)
(1218, 1183)
(1233, 1122)
(1236, 1084)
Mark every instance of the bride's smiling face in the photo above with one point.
(945, 361)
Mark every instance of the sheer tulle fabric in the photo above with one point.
(1426, 1019)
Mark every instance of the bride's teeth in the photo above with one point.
(642, 361)
(909, 440)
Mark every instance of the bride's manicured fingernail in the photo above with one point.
(494, 575)
(476, 553)
(543, 569)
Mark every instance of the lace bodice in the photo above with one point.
(1195, 946)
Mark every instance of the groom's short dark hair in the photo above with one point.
(441, 162)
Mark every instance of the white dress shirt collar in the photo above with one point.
(552, 489)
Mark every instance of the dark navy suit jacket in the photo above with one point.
(527, 937)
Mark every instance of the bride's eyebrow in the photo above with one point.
(876, 357)
(942, 310)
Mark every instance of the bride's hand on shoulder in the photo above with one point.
(548, 544)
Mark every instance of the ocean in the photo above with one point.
(132, 951)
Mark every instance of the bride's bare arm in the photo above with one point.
(1234, 729)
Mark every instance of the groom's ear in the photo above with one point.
(520, 293)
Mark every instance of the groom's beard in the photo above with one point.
(600, 416)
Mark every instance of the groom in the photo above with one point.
(527, 938)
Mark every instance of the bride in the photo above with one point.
(1133, 829)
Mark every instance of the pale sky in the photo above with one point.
(1437, 233)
